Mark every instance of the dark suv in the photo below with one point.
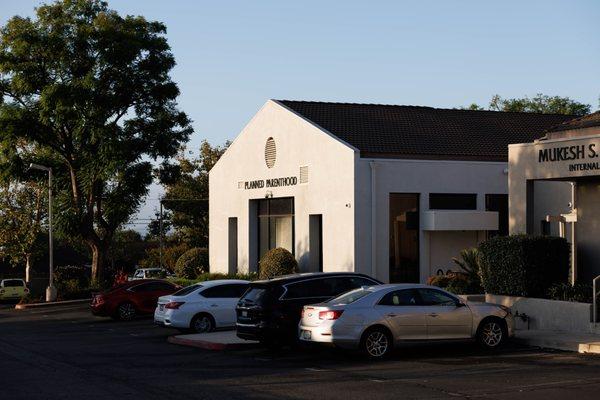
(270, 310)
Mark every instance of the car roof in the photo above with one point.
(218, 282)
(399, 286)
(285, 279)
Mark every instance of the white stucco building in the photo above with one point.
(391, 191)
(554, 185)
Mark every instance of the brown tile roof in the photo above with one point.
(587, 121)
(426, 132)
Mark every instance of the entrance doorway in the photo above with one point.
(404, 237)
(275, 224)
(315, 242)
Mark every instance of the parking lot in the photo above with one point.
(65, 352)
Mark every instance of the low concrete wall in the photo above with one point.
(547, 314)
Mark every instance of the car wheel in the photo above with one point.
(202, 323)
(491, 333)
(377, 343)
(126, 311)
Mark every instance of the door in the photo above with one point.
(315, 239)
(405, 314)
(221, 302)
(446, 319)
(146, 295)
(404, 237)
(233, 245)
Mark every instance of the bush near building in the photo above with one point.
(277, 262)
(523, 265)
(213, 276)
(192, 263)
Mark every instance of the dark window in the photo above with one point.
(498, 203)
(404, 237)
(187, 290)
(232, 291)
(13, 283)
(432, 297)
(546, 228)
(452, 201)
(407, 297)
(255, 295)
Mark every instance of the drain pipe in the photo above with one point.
(573, 236)
(373, 166)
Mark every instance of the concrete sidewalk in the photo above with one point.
(222, 340)
(568, 341)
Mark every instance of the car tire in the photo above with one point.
(202, 323)
(377, 343)
(492, 333)
(125, 311)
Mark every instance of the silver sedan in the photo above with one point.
(377, 318)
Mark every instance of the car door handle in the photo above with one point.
(214, 305)
(392, 315)
(433, 315)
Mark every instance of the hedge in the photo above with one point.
(277, 262)
(523, 265)
(192, 263)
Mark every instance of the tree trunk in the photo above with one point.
(28, 268)
(98, 258)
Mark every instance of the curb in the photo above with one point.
(51, 304)
(573, 345)
(206, 345)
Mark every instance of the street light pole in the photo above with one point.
(51, 289)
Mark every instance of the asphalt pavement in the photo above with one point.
(66, 353)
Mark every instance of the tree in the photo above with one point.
(189, 181)
(22, 212)
(88, 93)
(540, 103)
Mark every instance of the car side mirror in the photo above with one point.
(460, 304)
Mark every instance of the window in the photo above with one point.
(452, 201)
(407, 297)
(432, 297)
(255, 295)
(350, 297)
(498, 203)
(13, 283)
(275, 224)
(404, 237)
(309, 289)
(187, 290)
(232, 291)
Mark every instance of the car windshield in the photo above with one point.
(14, 283)
(187, 290)
(350, 297)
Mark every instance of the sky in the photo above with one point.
(232, 56)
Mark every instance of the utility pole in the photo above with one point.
(51, 289)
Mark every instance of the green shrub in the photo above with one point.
(277, 262)
(523, 265)
(456, 282)
(580, 292)
(192, 263)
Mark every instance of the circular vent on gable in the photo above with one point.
(270, 152)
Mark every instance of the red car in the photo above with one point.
(132, 298)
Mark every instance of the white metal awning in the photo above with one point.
(459, 220)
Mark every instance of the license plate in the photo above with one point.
(305, 335)
(244, 313)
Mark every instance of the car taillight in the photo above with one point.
(335, 314)
(174, 305)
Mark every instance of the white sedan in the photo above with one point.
(202, 307)
(377, 318)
